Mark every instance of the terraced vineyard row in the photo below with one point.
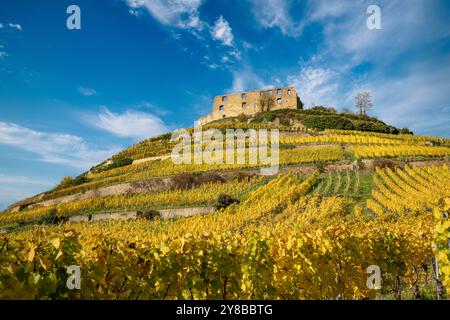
(399, 151)
(344, 183)
(349, 139)
(407, 138)
(409, 190)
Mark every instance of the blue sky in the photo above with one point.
(137, 68)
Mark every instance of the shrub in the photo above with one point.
(323, 122)
(68, 182)
(188, 181)
(242, 118)
(120, 161)
(385, 163)
(360, 164)
(182, 181)
(148, 215)
(406, 131)
(208, 178)
(240, 175)
(224, 201)
(320, 166)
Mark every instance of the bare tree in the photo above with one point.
(363, 102)
(266, 102)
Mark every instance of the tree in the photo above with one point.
(363, 102)
(266, 102)
(66, 182)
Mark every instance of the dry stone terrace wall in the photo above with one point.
(132, 215)
(123, 188)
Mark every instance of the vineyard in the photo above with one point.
(342, 203)
(202, 196)
(279, 243)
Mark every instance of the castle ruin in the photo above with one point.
(248, 103)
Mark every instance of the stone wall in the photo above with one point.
(132, 215)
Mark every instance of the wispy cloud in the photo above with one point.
(184, 15)
(154, 108)
(15, 26)
(11, 179)
(87, 92)
(135, 6)
(56, 148)
(130, 124)
(408, 91)
(177, 13)
(417, 99)
(275, 14)
(315, 85)
(221, 31)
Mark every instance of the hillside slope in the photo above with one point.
(309, 138)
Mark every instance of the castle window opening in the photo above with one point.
(224, 98)
(279, 92)
(279, 100)
(289, 92)
(244, 104)
(221, 108)
(270, 92)
(244, 96)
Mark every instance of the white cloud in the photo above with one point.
(275, 14)
(130, 124)
(177, 13)
(135, 5)
(404, 27)
(3, 54)
(154, 108)
(315, 86)
(15, 26)
(185, 15)
(408, 91)
(1, 25)
(57, 148)
(87, 92)
(417, 99)
(8, 179)
(221, 31)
